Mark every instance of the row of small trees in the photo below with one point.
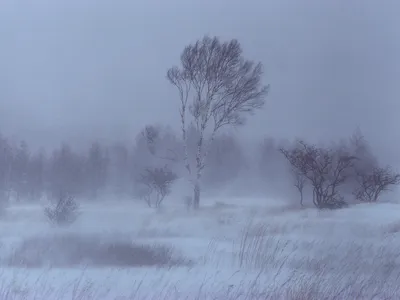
(333, 175)
(328, 173)
(336, 171)
(119, 169)
(26, 175)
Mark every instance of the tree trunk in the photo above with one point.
(196, 198)
(301, 198)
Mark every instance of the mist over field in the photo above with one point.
(199, 150)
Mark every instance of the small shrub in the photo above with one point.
(325, 169)
(374, 183)
(63, 211)
(158, 182)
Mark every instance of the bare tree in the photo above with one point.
(325, 169)
(225, 161)
(152, 137)
(371, 180)
(6, 166)
(372, 185)
(66, 172)
(299, 182)
(366, 161)
(151, 134)
(120, 169)
(158, 182)
(96, 169)
(217, 87)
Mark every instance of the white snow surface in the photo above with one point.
(233, 249)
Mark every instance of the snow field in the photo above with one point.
(229, 249)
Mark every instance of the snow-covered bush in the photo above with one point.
(64, 210)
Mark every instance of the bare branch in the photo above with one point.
(224, 84)
(372, 185)
(299, 183)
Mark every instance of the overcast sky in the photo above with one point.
(73, 69)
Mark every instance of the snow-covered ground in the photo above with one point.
(229, 249)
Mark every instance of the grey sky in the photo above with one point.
(71, 69)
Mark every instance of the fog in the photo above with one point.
(73, 70)
(96, 201)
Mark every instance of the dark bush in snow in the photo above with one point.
(157, 183)
(63, 211)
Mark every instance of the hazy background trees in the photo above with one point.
(110, 90)
(218, 89)
(149, 167)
